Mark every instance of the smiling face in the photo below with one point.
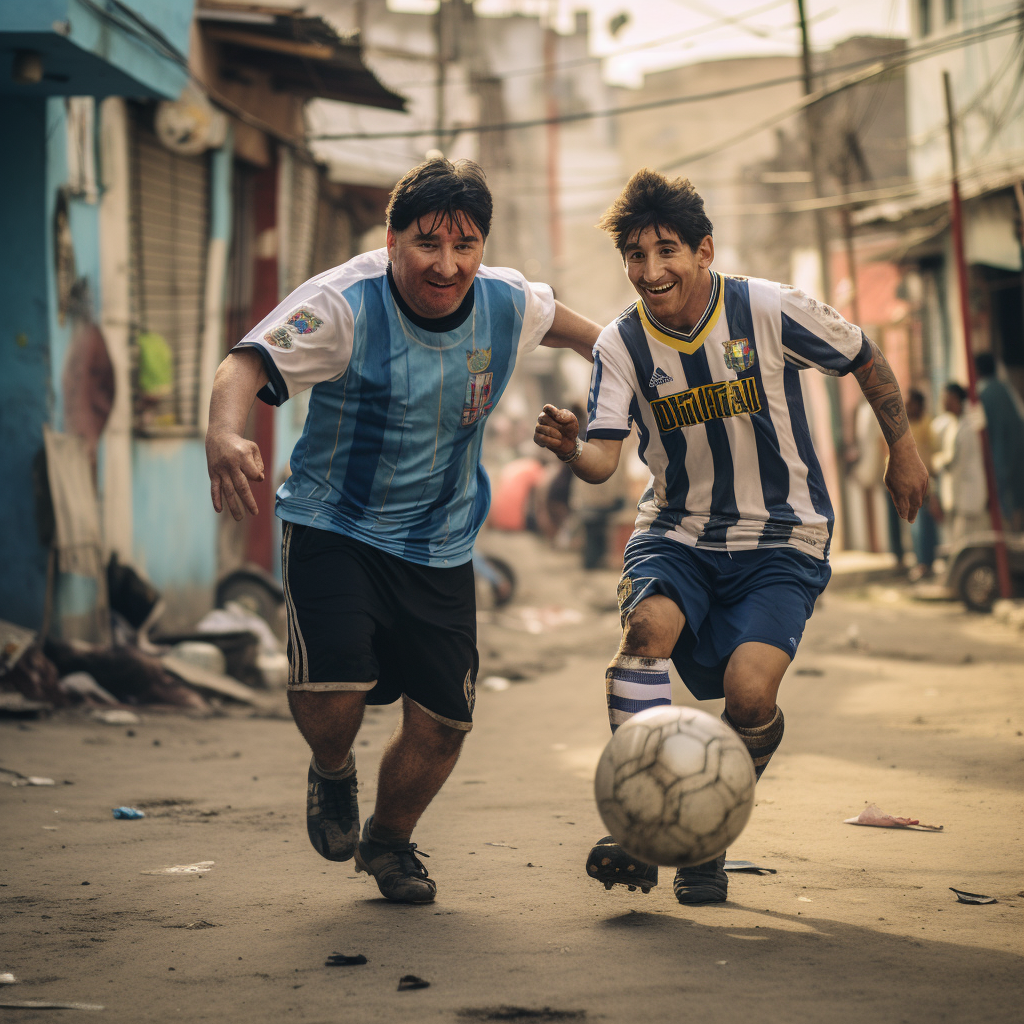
(434, 261)
(673, 280)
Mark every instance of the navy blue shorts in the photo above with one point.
(766, 595)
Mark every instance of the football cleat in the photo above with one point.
(610, 864)
(397, 870)
(332, 815)
(703, 883)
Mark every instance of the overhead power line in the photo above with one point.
(990, 30)
(578, 62)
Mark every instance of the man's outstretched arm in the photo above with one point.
(558, 431)
(906, 476)
(231, 460)
(571, 330)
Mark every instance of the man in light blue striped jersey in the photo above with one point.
(730, 549)
(405, 351)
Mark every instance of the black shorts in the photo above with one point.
(362, 619)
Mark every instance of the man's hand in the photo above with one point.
(906, 477)
(557, 430)
(232, 462)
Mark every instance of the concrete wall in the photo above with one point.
(985, 84)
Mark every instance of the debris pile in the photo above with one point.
(231, 654)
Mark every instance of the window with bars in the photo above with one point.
(170, 212)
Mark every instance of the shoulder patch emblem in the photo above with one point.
(279, 337)
(478, 360)
(660, 377)
(302, 321)
(739, 356)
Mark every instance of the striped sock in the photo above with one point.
(635, 684)
(762, 741)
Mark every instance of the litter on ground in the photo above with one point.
(199, 868)
(873, 815)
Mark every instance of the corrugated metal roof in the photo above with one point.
(303, 54)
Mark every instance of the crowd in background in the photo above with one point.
(950, 444)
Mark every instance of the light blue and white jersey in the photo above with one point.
(390, 451)
(721, 417)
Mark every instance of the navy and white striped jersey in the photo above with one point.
(721, 416)
(390, 451)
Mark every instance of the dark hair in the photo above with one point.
(954, 389)
(985, 364)
(916, 395)
(444, 189)
(652, 200)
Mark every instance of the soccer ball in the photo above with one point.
(675, 786)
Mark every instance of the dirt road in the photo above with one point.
(917, 709)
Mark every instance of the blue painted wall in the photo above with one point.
(100, 49)
(24, 355)
(175, 526)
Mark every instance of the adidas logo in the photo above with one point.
(659, 377)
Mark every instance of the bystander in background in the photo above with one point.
(924, 529)
(1005, 425)
(962, 487)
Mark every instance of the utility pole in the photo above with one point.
(821, 234)
(442, 59)
(553, 141)
(811, 120)
(956, 221)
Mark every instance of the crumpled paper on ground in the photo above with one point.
(875, 816)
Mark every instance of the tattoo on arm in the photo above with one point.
(880, 388)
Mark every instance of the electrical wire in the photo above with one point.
(542, 69)
(990, 30)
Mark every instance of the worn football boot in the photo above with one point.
(332, 815)
(703, 883)
(399, 874)
(609, 863)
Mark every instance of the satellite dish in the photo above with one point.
(190, 125)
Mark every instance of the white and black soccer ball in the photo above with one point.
(675, 786)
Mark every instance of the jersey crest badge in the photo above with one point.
(739, 356)
(478, 397)
(659, 377)
(478, 360)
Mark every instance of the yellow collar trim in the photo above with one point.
(687, 344)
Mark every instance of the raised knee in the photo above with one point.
(651, 629)
(748, 711)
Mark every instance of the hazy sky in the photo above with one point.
(683, 31)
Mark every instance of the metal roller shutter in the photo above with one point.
(170, 234)
(302, 221)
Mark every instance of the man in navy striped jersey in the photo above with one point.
(730, 549)
(406, 351)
